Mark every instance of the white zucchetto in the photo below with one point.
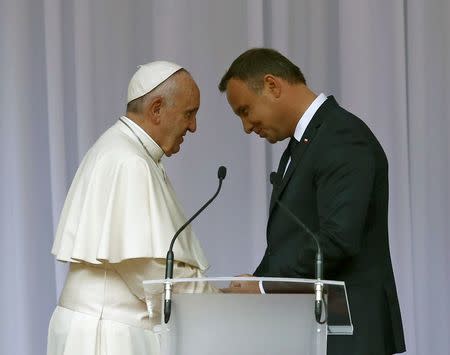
(149, 76)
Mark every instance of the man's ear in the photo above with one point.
(153, 111)
(272, 85)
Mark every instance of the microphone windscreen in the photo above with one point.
(222, 172)
(274, 178)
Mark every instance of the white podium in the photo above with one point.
(280, 322)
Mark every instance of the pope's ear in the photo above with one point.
(154, 109)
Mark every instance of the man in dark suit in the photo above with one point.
(334, 177)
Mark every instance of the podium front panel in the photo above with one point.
(281, 321)
(244, 324)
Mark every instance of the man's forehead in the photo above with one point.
(234, 88)
(235, 83)
(237, 92)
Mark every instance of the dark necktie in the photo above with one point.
(292, 145)
(286, 155)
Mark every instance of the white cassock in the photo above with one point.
(115, 229)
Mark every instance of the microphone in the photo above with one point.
(221, 173)
(318, 285)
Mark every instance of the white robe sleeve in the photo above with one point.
(135, 271)
(122, 208)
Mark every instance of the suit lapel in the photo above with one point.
(281, 167)
(296, 157)
(306, 140)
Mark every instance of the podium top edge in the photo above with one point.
(256, 279)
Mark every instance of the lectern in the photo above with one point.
(281, 321)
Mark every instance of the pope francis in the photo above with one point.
(118, 219)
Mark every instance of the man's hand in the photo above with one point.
(243, 286)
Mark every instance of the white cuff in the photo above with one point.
(261, 288)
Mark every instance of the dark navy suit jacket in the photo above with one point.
(337, 184)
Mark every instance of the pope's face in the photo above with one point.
(180, 115)
(257, 111)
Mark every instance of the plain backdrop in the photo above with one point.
(64, 71)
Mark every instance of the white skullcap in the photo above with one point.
(149, 76)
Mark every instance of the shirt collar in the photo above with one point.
(153, 148)
(307, 116)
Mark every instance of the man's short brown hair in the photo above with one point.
(252, 65)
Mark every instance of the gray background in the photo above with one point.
(64, 70)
